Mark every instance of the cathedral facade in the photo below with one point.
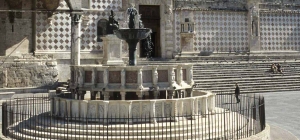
(179, 27)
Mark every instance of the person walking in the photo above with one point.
(237, 92)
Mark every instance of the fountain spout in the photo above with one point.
(132, 12)
(132, 36)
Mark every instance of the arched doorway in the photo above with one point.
(101, 29)
(151, 19)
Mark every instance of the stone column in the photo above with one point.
(93, 95)
(180, 94)
(170, 94)
(179, 75)
(155, 94)
(140, 95)
(123, 95)
(172, 76)
(106, 95)
(211, 103)
(189, 92)
(140, 79)
(75, 40)
(203, 106)
(155, 79)
(98, 95)
(190, 75)
(82, 95)
(123, 78)
(105, 77)
(152, 111)
(94, 82)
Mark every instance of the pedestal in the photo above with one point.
(187, 44)
(255, 44)
(112, 50)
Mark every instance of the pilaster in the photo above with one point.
(152, 111)
(253, 25)
(140, 79)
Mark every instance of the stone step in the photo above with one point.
(240, 76)
(254, 91)
(282, 77)
(51, 122)
(241, 69)
(242, 82)
(247, 84)
(236, 69)
(6, 95)
(253, 65)
(184, 133)
(251, 87)
(244, 88)
(55, 136)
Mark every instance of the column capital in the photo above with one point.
(76, 18)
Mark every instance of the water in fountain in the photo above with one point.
(147, 42)
(148, 45)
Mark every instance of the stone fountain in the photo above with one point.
(115, 81)
(131, 35)
(131, 94)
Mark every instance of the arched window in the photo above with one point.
(101, 29)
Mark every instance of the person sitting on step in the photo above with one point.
(273, 68)
(279, 69)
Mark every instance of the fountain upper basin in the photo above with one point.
(132, 34)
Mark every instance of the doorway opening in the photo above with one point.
(151, 19)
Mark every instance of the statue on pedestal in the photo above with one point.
(112, 23)
(254, 22)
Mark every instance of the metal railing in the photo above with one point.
(30, 118)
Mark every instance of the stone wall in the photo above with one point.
(16, 36)
(214, 31)
(28, 71)
(54, 33)
(279, 31)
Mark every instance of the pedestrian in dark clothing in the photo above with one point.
(237, 92)
(279, 68)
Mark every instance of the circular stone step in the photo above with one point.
(46, 127)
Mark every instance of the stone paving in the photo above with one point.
(282, 114)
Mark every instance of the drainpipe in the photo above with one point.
(33, 22)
